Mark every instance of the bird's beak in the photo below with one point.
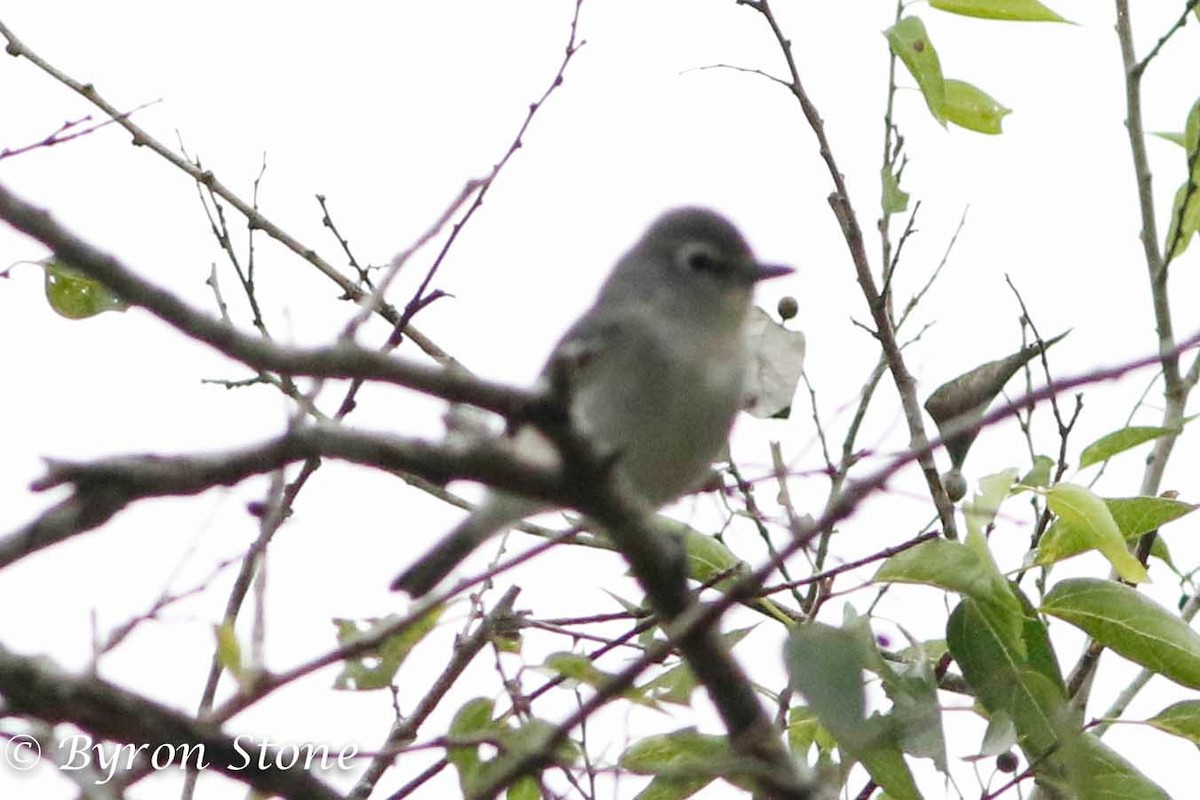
(764, 271)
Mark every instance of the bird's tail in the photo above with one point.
(493, 516)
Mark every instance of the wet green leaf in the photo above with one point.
(76, 296)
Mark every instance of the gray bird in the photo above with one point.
(656, 372)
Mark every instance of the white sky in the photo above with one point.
(387, 109)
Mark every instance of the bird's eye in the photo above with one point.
(701, 258)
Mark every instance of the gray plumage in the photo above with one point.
(657, 369)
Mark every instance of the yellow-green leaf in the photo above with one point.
(1134, 516)
(1171, 136)
(972, 108)
(981, 510)
(1039, 474)
(1185, 211)
(229, 650)
(1078, 508)
(911, 44)
(895, 199)
(579, 668)
(1016, 10)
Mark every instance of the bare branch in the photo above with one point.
(105, 711)
(254, 218)
(341, 361)
(843, 210)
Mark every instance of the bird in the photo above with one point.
(656, 371)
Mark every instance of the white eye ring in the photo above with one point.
(700, 257)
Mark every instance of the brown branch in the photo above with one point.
(104, 487)
(1174, 391)
(884, 330)
(254, 218)
(419, 298)
(68, 131)
(692, 627)
(341, 361)
(31, 687)
(405, 730)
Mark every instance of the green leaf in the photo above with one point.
(229, 650)
(575, 667)
(1016, 10)
(1081, 510)
(524, 788)
(993, 491)
(1006, 680)
(1110, 444)
(708, 557)
(1098, 771)
(1171, 136)
(1180, 719)
(376, 668)
(1185, 211)
(668, 751)
(916, 713)
(826, 666)
(1000, 736)
(1191, 135)
(1039, 474)
(1185, 220)
(677, 684)
(910, 43)
(76, 296)
(803, 729)
(939, 562)
(895, 199)
(473, 720)
(960, 568)
(683, 762)
(1134, 517)
(580, 669)
(533, 737)
(886, 766)
(777, 361)
(972, 108)
(1130, 624)
(670, 788)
